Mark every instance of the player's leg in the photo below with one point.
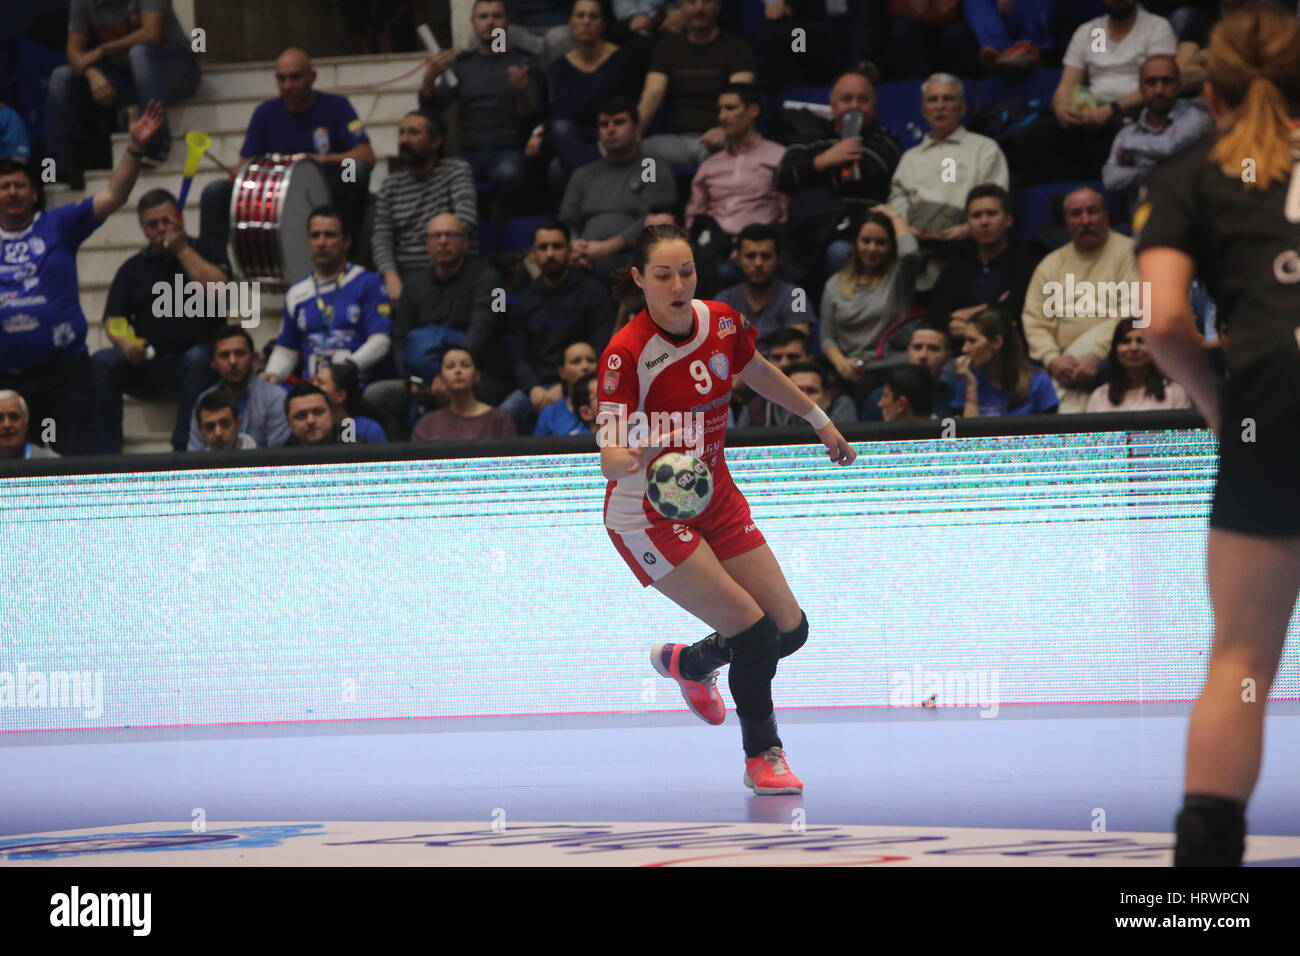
(1253, 586)
(702, 586)
(758, 572)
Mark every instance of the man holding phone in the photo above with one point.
(160, 356)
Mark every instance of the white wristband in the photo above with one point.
(817, 418)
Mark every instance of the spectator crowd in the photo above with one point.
(882, 266)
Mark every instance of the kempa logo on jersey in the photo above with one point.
(208, 299)
(679, 430)
(651, 363)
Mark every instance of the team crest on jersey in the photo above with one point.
(720, 366)
(611, 382)
(726, 326)
(354, 314)
(38, 245)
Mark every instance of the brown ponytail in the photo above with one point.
(1253, 64)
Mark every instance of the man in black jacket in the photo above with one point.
(460, 294)
(169, 353)
(988, 269)
(561, 306)
(832, 178)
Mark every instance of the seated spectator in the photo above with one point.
(14, 420)
(987, 269)
(834, 179)
(540, 27)
(1098, 87)
(650, 17)
(118, 54)
(590, 73)
(43, 352)
(259, 404)
(342, 387)
(784, 348)
(689, 70)
(169, 354)
(561, 309)
(310, 419)
(907, 395)
(1133, 383)
(770, 303)
(304, 124)
(1069, 339)
(217, 418)
(1192, 23)
(933, 178)
(833, 33)
(1165, 127)
(1012, 34)
(465, 417)
(606, 200)
(810, 378)
(734, 187)
(926, 35)
(450, 303)
(499, 95)
(993, 377)
(570, 416)
(339, 312)
(426, 184)
(928, 350)
(867, 302)
(13, 135)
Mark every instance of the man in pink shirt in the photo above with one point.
(734, 187)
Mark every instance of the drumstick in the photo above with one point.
(196, 144)
(430, 44)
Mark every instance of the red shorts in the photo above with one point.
(726, 525)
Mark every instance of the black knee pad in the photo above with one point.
(754, 653)
(757, 648)
(791, 641)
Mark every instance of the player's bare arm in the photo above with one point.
(773, 384)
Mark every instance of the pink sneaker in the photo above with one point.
(702, 695)
(768, 773)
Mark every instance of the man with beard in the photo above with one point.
(1071, 341)
(428, 183)
(259, 404)
(168, 354)
(43, 352)
(1098, 87)
(771, 304)
(1165, 128)
(561, 306)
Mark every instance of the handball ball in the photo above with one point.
(678, 486)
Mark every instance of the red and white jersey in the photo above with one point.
(643, 371)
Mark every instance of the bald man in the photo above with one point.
(302, 123)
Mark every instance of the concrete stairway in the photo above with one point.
(225, 101)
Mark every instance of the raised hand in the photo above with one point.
(143, 128)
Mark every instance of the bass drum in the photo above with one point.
(272, 198)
